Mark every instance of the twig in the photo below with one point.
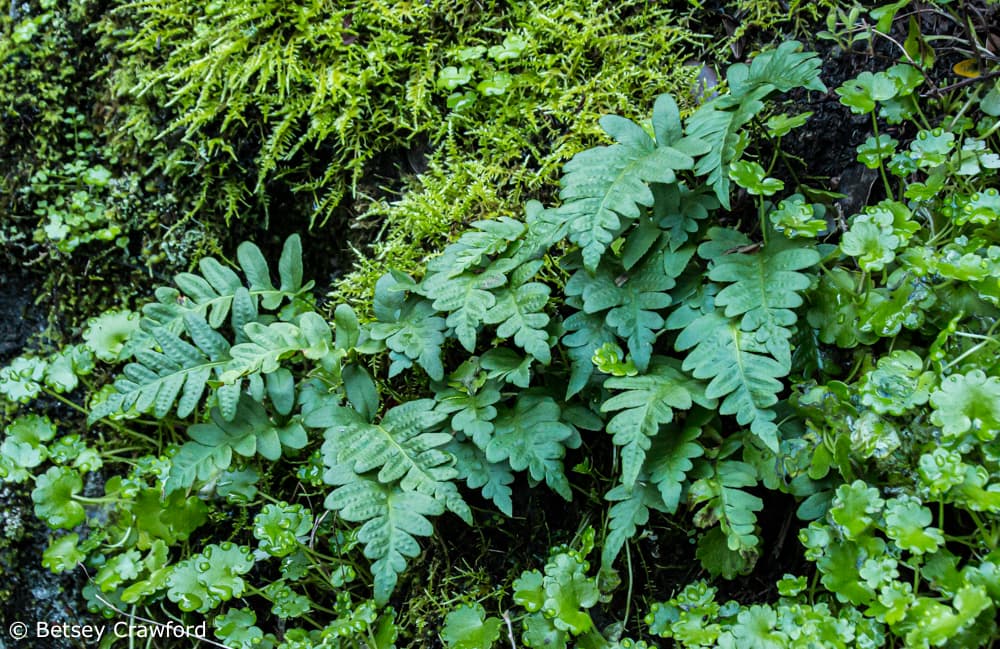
(510, 630)
(968, 82)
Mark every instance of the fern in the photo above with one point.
(668, 461)
(179, 373)
(401, 446)
(251, 432)
(631, 301)
(726, 503)
(648, 401)
(409, 327)
(719, 121)
(268, 345)
(169, 369)
(392, 518)
(741, 374)
(219, 290)
(605, 185)
(585, 333)
(763, 288)
(492, 478)
(629, 512)
(531, 436)
(467, 296)
(518, 312)
(472, 412)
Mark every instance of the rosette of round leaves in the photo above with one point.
(53, 498)
(558, 600)
(281, 528)
(897, 385)
(286, 603)
(907, 522)
(209, 578)
(968, 403)
(24, 447)
(107, 334)
(467, 627)
(237, 628)
(795, 218)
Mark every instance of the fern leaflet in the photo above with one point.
(763, 288)
(392, 518)
(531, 436)
(648, 402)
(399, 447)
(606, 184)
(629, 512)
(179, 372)
(739, 370)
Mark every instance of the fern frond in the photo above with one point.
(718, 123)
(487, 239)
(605, 185)
(585, 333)
(668, 461)
(649, 400)
(392, 519)
(629, 512)
(179, 372)
(531, 436)
(728, 504)
(763, 288)
(400, 446)
(414, 334)
(268, 345)
(518, 312)
(251, 432)
(782, 69)
(492, 478)
(467, 297)
(471, 412)
(212, 293)
(740, 372)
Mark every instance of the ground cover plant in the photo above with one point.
(689, 354)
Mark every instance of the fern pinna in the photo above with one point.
(671, 335)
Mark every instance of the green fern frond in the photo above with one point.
(783, 69)
(408, 325)
(532, 436)
(585, 333)
(251, 432)
(629, 512)
(468, 297)
(606, 187)
(649, 400)
(179, 372)
(392, 519)
(719, 121)
(212, 293)
(740, 371)
(400, 446)
(631, 300)
(763, 288)
(726, 503)
(668, 461)
(518, 312)
(491, 478)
